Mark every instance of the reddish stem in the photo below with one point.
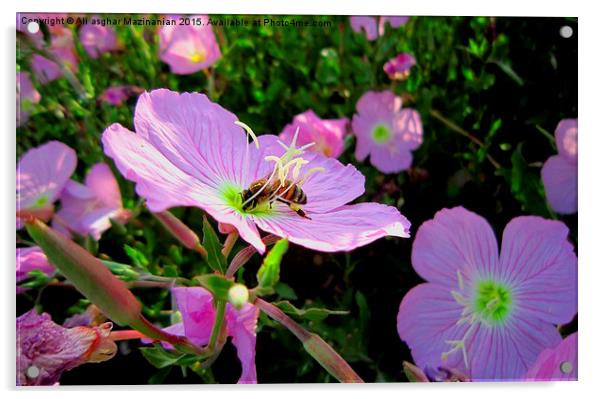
(245, 254)
(124, 335)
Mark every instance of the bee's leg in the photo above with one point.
(299, 210)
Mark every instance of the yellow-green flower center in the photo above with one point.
(493, 301)
(198, 56)
(381, 134)
(40, 202)
(231, 194)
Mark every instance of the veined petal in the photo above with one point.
(341, 229)
(391, 159)
(159, 181)
(560, 182)
(427, 318)
(541, 265)
(455, 241)
(42, 173)
(198, 314)
(241, 327)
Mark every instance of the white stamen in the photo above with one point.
(249, 132)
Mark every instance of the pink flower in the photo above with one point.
(385, 131)
(326, 134)
(188, 48)
(45, 350)
(97, 39)
(198, 316)
(367, 24)
(42, 173)
(399, 67)
(374, 29)
(62, 47)
(30, 259)
(559, 172)
(395, 22)
(117, 95)
(88, 209)
(559, 363)
(484, 314)
(27, 96)
(189, 151)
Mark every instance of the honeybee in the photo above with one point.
(289, 193)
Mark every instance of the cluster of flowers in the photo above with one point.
(483, 314)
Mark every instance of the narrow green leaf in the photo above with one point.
(137, 257)
(269, 272)
(216, 259)
(126, 272)
(218, 285)
(315, 314)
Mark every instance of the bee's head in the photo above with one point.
(245, 195)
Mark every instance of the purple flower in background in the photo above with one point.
(30, 259)
(373, 28)
(395, 22)
(27, 96)
(45, 350)
(555, 364)
(385, 131)
(486, 314)
(62, 47)
(198, 316)
(559, 172)
(189, 151)
(42, 172)
(88, 209)
(367, 24)
(38, 37)
(398, 68)
(117, 95)
(326, 134)
(188, 48)
(97, 39)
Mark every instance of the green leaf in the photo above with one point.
(159, 357)
(525, 184)
(218, 285)
(136, 256)
(509, 71)
(269, 272)
(314, 314)
(285, 291)
(126, 272)
(216, 259)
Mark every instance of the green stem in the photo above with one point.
(437, 115)
(217, 326)
(313, 344)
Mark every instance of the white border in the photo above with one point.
(590, 200)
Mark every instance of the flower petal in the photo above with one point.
(341, 229)
(559, 363)
(566, 139)
(241, 327)
(409, 126)
(560, 182)
(42, 173)
(198, 313)
(157, 180)
(322, 194)
(428, 317)
(456, 240)
(368, 24)
(540, 263)
(391, 159)
(103, 184)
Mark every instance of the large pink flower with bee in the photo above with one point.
(189, 151)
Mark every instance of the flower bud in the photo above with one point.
(238, 295)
